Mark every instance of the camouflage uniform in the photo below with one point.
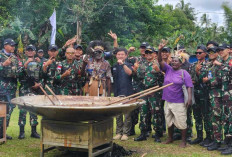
(69, 84)
(151, 78)
(99, 71)
(137, 87)
(8, 82)
(27, 80)
(49, 77)
(215, 94)
(81, 79)
(226, 78)
(202, 110)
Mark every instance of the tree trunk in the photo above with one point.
(79, 26)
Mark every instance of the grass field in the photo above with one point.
(30, 147)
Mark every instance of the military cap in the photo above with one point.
(31, 47)
(9, 41)
(78, 46)
(53, 47)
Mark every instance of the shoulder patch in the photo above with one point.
(230, 62)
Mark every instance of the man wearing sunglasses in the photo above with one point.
(201, 108)
(68, 74)
(149, 73)
(209, 75)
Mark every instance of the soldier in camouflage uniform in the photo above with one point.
(79, 59)
(98, 71)
(29, 79)
(209, 74)
(226, 79)
(137, 83)
(201, 109)
(68, 75)
(50, 69)
(150, 72)
(9, 67)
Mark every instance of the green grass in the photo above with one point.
(31, 147)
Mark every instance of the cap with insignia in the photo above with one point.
(10, 42)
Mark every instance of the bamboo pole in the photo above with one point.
(50, 90)
(145, 94)
(47, 95)
(130, 96)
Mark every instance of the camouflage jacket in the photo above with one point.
(137, 82)
(226, 77)
(147, 73)
(98, 70)
(28, 76)
(199, 87)
(71, 81)
(49, 76)
(213, 73)
(9, 74)
(81, 78)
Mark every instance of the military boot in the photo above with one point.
(228, 151)
(214, 146)
(198, 139)
(142, 136)
(21, 133)
(225, 145)
(207, 141)
(34, 134)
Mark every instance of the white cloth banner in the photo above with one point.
(53, 23)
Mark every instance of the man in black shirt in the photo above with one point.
(122, 72)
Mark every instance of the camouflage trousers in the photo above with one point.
(189, 123)
(70, 91)
(10, 107)
(153, 106)
(202, 112)
(22, 118)
(227, 115)
(217, 117)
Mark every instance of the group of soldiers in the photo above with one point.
(68, 71)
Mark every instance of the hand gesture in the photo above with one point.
(37, 59)
(205, 79)
(120, 62)
(198, 68)
(113, 35)
(217, 63)
(7, 62)
(67, 73)
(156, 67)
(162, 44)
(36, 86)
(70, 41)
(131, 49)
(136, 66)
(50, 61)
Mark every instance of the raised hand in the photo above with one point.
(113, 35)
(162, 44)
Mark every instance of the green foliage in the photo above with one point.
(134, 21)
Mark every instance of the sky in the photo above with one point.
(211, 7)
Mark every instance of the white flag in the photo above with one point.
(53, 23)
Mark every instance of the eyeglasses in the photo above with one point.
(69, 53)
(148, 52)
(198, 53)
